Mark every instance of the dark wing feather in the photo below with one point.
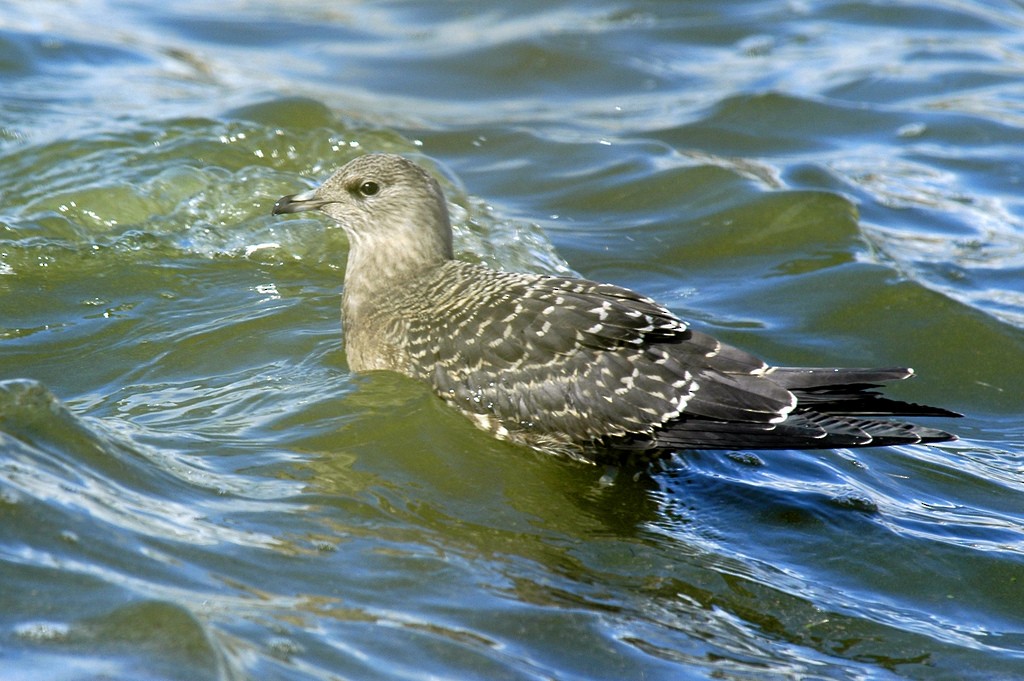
(806, 429)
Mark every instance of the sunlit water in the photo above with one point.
(194, 486)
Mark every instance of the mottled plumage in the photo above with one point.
(566, 365)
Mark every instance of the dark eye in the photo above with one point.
(369, 188)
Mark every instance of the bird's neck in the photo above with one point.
(380, 266)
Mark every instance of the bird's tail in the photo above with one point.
(835, 408)
(850, 392)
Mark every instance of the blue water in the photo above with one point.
(193, 485)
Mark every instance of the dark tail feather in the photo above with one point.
(834, 409)
(850, 391)
(862, 401)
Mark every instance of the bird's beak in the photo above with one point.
(296, 203)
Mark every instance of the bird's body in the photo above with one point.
(568, 365)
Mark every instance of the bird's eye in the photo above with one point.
(369, 188)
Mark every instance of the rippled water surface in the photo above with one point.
(194, 486)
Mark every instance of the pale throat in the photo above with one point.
(380, 263)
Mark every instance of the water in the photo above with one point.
(194, 486)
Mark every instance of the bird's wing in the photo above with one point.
(580, 360)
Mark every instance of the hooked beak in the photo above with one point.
(296, 203)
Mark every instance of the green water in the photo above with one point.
(194, 486)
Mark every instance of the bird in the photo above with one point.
(569, 366)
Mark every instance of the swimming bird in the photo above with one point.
(565, 365)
